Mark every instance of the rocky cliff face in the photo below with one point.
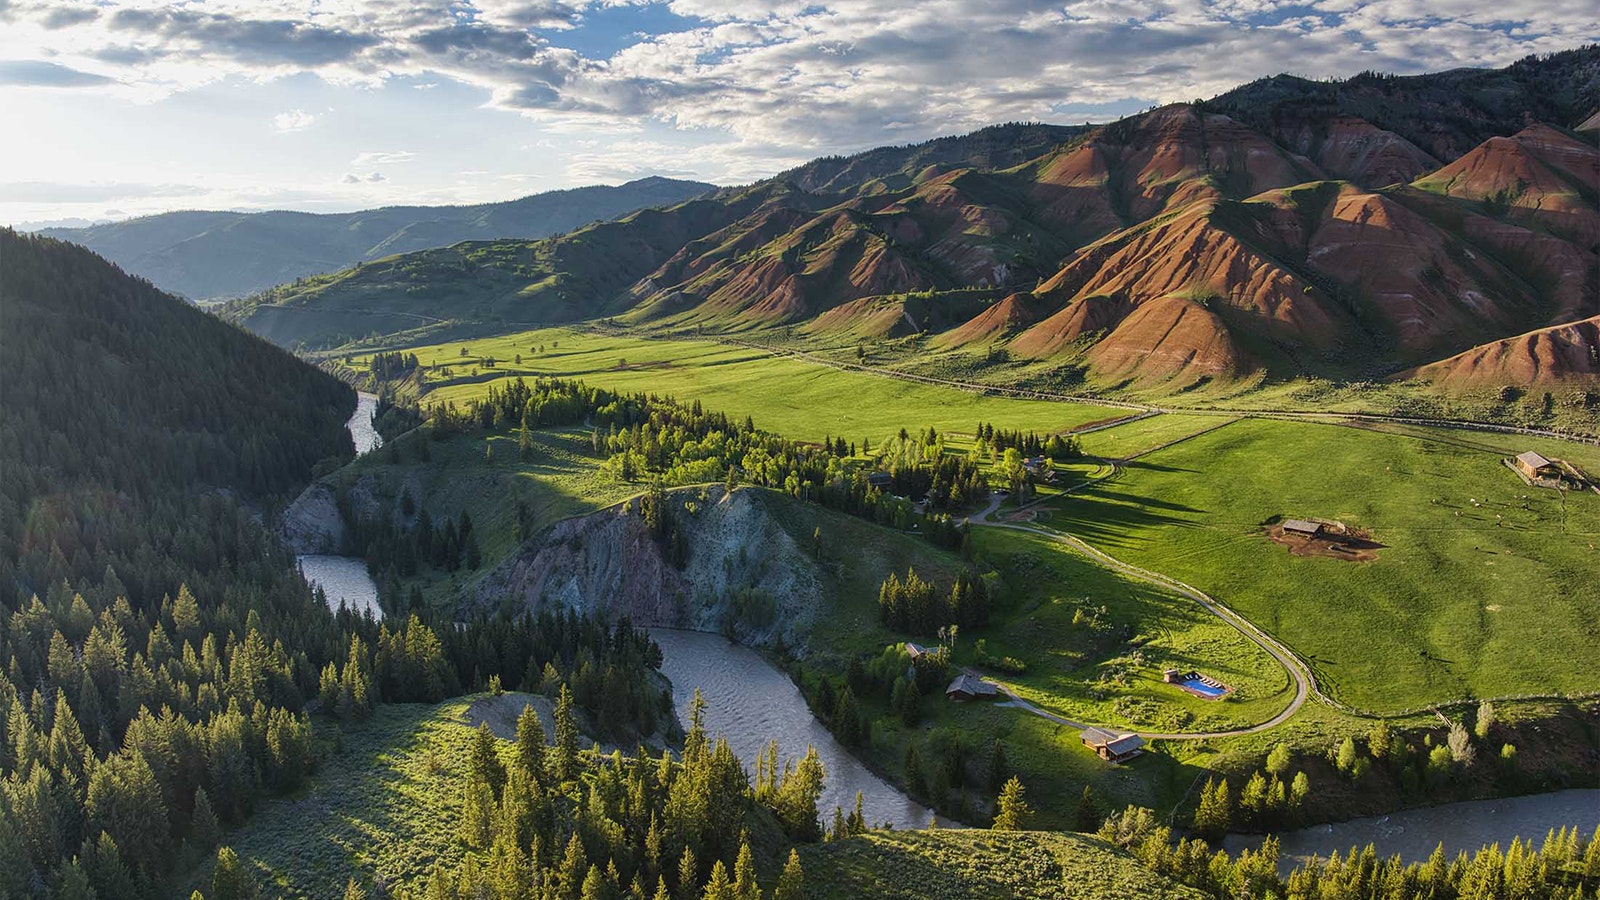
(608, 563)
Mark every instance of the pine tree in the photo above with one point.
(1012, 812)
(999, 769)
(688, 874)
(530, 743)
(484, 763)
(574, 867)
(1086, 819)
(1279, 759)
(1215, 813)
(565, 757)
(353, 890)
(791, 884)
(204, 832)
(229, 879)
(719, 887)
(744, 875)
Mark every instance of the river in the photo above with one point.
(365, 436)
(1465, 826)
(344, 578)
(751, 703)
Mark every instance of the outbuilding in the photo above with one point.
(1303, 528)
(1535, 466)
(970, 687)
(1112, 746)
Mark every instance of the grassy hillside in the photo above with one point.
(1484, 586)
(981, 865)
(785, 395)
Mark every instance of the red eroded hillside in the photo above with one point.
(1540, 175)
(1569, 352)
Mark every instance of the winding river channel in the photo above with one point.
(750, 702)
(344, 579)
(1466, 826)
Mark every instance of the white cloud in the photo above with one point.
(750, 86)
(293, 120)
(382, 158)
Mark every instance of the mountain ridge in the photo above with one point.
(1169, 249)
(210, 254)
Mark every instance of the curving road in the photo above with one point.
(1305, 682)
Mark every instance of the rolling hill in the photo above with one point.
(1349, 230)
(210, 255)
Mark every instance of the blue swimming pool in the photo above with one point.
(1206, 690)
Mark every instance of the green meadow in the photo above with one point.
(1144, 435)
(1096, 643)
(1484, 587)
(782, 394)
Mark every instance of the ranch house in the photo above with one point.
(1112, 746)
(1535, 466)
(970, 687)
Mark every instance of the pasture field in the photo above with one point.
(1143, 435)
(782, 394)
(1103, 666)
(1484, 587)
(1096, 643)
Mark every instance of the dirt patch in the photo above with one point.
(1354, 545)
(1023, 515)
(500, 713)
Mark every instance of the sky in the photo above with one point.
(116, 108)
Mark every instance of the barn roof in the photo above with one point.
(1096, 737)
(1533, 460)
(971, 684)
(1126, 744)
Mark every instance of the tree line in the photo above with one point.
(645, 437)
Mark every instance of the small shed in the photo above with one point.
(970, 687)
(1535, 466)
(1112, 746)
(916, 651)
(1303, 527)
(880, 480)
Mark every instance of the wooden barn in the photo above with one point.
(1535, 466)
(970, 687)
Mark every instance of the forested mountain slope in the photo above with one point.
(162, 657)
(204, 255)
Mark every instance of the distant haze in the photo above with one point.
(215, 255)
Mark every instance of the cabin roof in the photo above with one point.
(971, 684)
(1305, 525)
(1533, 460)
(1097, 736)
(1125, 744)
(1115, 742)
